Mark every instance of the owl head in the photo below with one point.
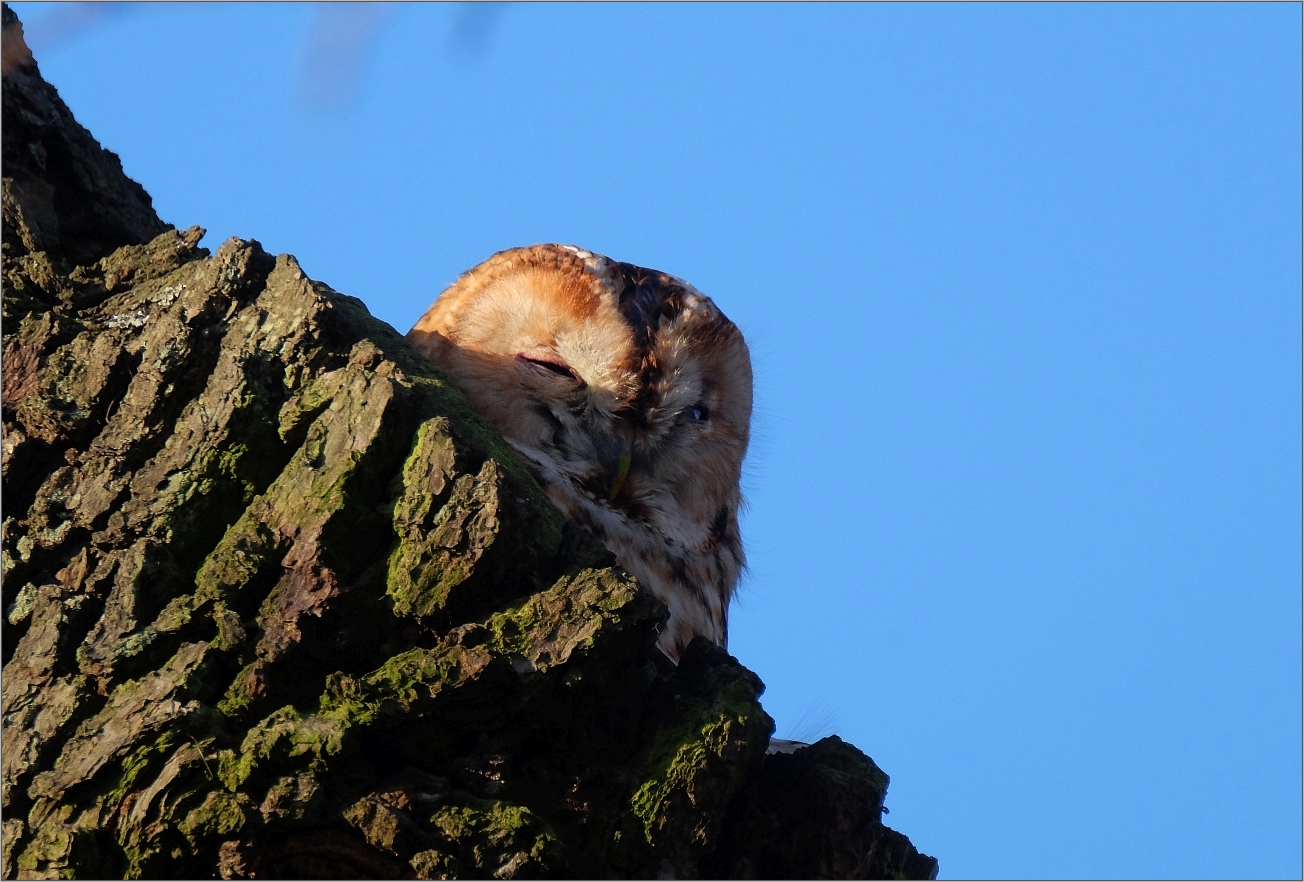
(629, 394)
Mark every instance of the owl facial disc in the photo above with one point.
(628, 394)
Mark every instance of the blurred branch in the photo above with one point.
(56, 27)
(336, 51)
(334, 54)
(474, 27)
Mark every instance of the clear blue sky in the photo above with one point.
(1022, 285)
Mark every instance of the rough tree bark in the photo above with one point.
(278, 603)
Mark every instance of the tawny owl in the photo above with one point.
(629, 396)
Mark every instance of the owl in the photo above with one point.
(628, 395)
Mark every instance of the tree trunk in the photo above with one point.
(278, 603)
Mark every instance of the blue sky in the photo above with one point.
(1022, 287)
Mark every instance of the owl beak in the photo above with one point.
(622, 472)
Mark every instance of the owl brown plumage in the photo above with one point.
(629, 395)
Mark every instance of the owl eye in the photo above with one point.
(555, 367)
(697, 413)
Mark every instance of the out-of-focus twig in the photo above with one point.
(336, 52)
(474, 26)
(333, 58)
(51, 29)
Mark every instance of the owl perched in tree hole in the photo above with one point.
(629, 396)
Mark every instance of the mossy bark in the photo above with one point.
(279, 603)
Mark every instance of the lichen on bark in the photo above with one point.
(277, 602)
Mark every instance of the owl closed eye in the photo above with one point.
(628, 394)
